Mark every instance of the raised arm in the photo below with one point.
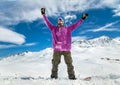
(78, 23)
(48, 23)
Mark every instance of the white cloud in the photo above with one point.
(13, 12)
(10, 36)
(30, 44)
(117, 11)
(107, 27)
(15, 46)
(68, 18)
(7, 46)
(77, 38)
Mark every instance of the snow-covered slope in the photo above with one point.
(98, 58)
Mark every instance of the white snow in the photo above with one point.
(101, 61)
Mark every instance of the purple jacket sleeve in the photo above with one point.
(48, 23)
(75, 25)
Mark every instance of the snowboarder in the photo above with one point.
(61, 37)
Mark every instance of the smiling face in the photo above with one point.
(60, 22)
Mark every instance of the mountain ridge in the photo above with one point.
(103, 41)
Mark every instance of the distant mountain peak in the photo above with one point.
(104, 36)
(101, 41)
(23, 53)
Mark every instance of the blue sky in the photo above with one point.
(22, 27)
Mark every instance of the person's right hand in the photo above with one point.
(42, 11)
(84, 16)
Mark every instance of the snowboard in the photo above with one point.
(48, 78)
(84, 79)
(87, 78)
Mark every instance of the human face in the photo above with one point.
(60, 22)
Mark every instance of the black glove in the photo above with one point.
(42, 11)
(84, 16)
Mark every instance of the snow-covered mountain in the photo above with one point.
(98, 58)
(103, 41)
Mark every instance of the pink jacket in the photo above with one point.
(61, 37)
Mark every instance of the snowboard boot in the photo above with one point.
(72, 77)
(53, 77)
